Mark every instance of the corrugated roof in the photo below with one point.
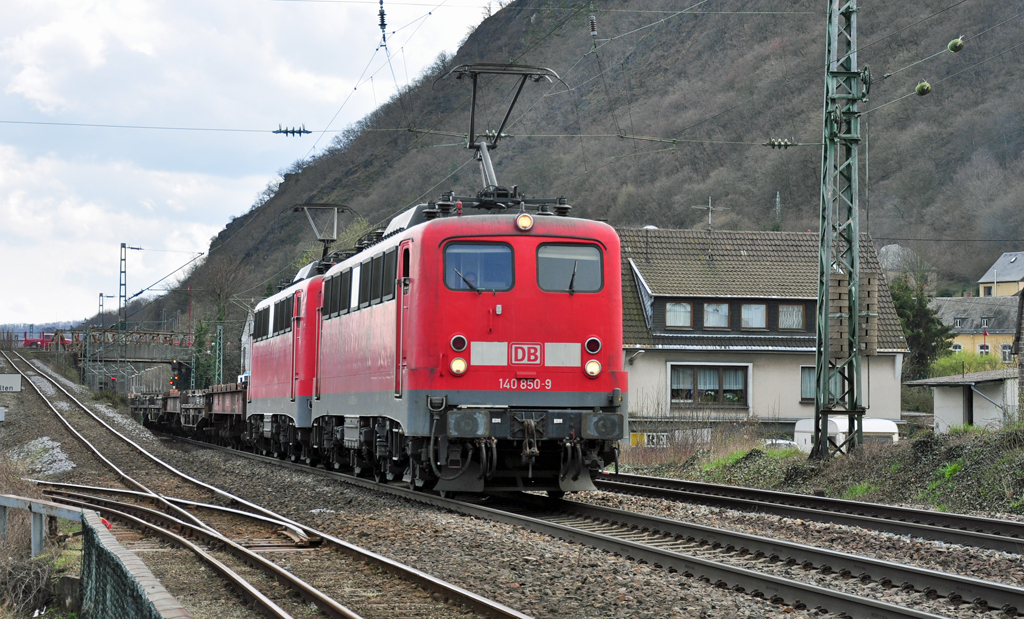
(735, 264)
(1008, 268)
(1000, 311)
(973, 378)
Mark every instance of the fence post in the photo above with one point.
(38, 533)
(3, 521)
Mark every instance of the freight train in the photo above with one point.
(473, 345)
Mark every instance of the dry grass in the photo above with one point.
(697, 442)
(24, 581)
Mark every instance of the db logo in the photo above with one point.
(526, 354)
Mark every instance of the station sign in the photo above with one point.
(10, 383)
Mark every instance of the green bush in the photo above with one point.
(964, 362)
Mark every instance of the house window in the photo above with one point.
(987, 291)
(1006, 351)
(956, 348)
(984, 322)
(682, 384)
(958, 322)
(716, 315)
(791, 317)
(983, 349)
(807, 384)
(678, 315)
(754, 316)
(709, 385)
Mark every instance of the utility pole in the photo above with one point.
(218, 368)
(838, 386)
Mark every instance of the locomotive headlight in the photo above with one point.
(524, 221)
(458, 366)
(592, 368)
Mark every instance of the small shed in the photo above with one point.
(977, 399)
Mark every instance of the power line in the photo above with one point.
(944, 240)
(516, 8)
(155, 127)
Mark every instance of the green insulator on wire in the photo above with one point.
(923, 88)
(956, 45)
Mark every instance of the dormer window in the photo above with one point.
(958, 322)
(984, 321)
(678, 315)
(754, 316)
(716, 315)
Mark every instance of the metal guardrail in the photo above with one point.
(40, 510)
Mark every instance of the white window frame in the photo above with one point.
(749, 381)
(984, 349)
(956, 347)
(1006, 352)
(984, 322)
(679, 326)
(764, 316)
(958, 322)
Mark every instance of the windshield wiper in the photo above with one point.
(572, 279)
(469, 283)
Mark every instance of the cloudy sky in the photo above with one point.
(70, 195)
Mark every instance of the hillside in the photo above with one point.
(720, 82)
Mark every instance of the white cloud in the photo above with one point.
(69, 196)
(65, 221)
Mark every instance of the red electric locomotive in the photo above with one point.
(473, 352)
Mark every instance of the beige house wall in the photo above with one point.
(1003, 289)
(971, 341)
(773, 382)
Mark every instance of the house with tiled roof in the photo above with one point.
(1005, 277)
(719, 326)
(983, 325)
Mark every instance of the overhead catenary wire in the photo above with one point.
(948, 77)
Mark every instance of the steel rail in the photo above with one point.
(242, 586)
(899, 520)
(741, 580)
(952, 586)
(92, 448)
(148, 455)
(297, 534)
(144, 516)
(446, 590)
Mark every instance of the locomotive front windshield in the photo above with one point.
(569, 268)
(478, 266)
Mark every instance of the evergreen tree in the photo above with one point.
(927, 337)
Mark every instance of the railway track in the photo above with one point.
(989, 533)
(433, 597)
(793, 574)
